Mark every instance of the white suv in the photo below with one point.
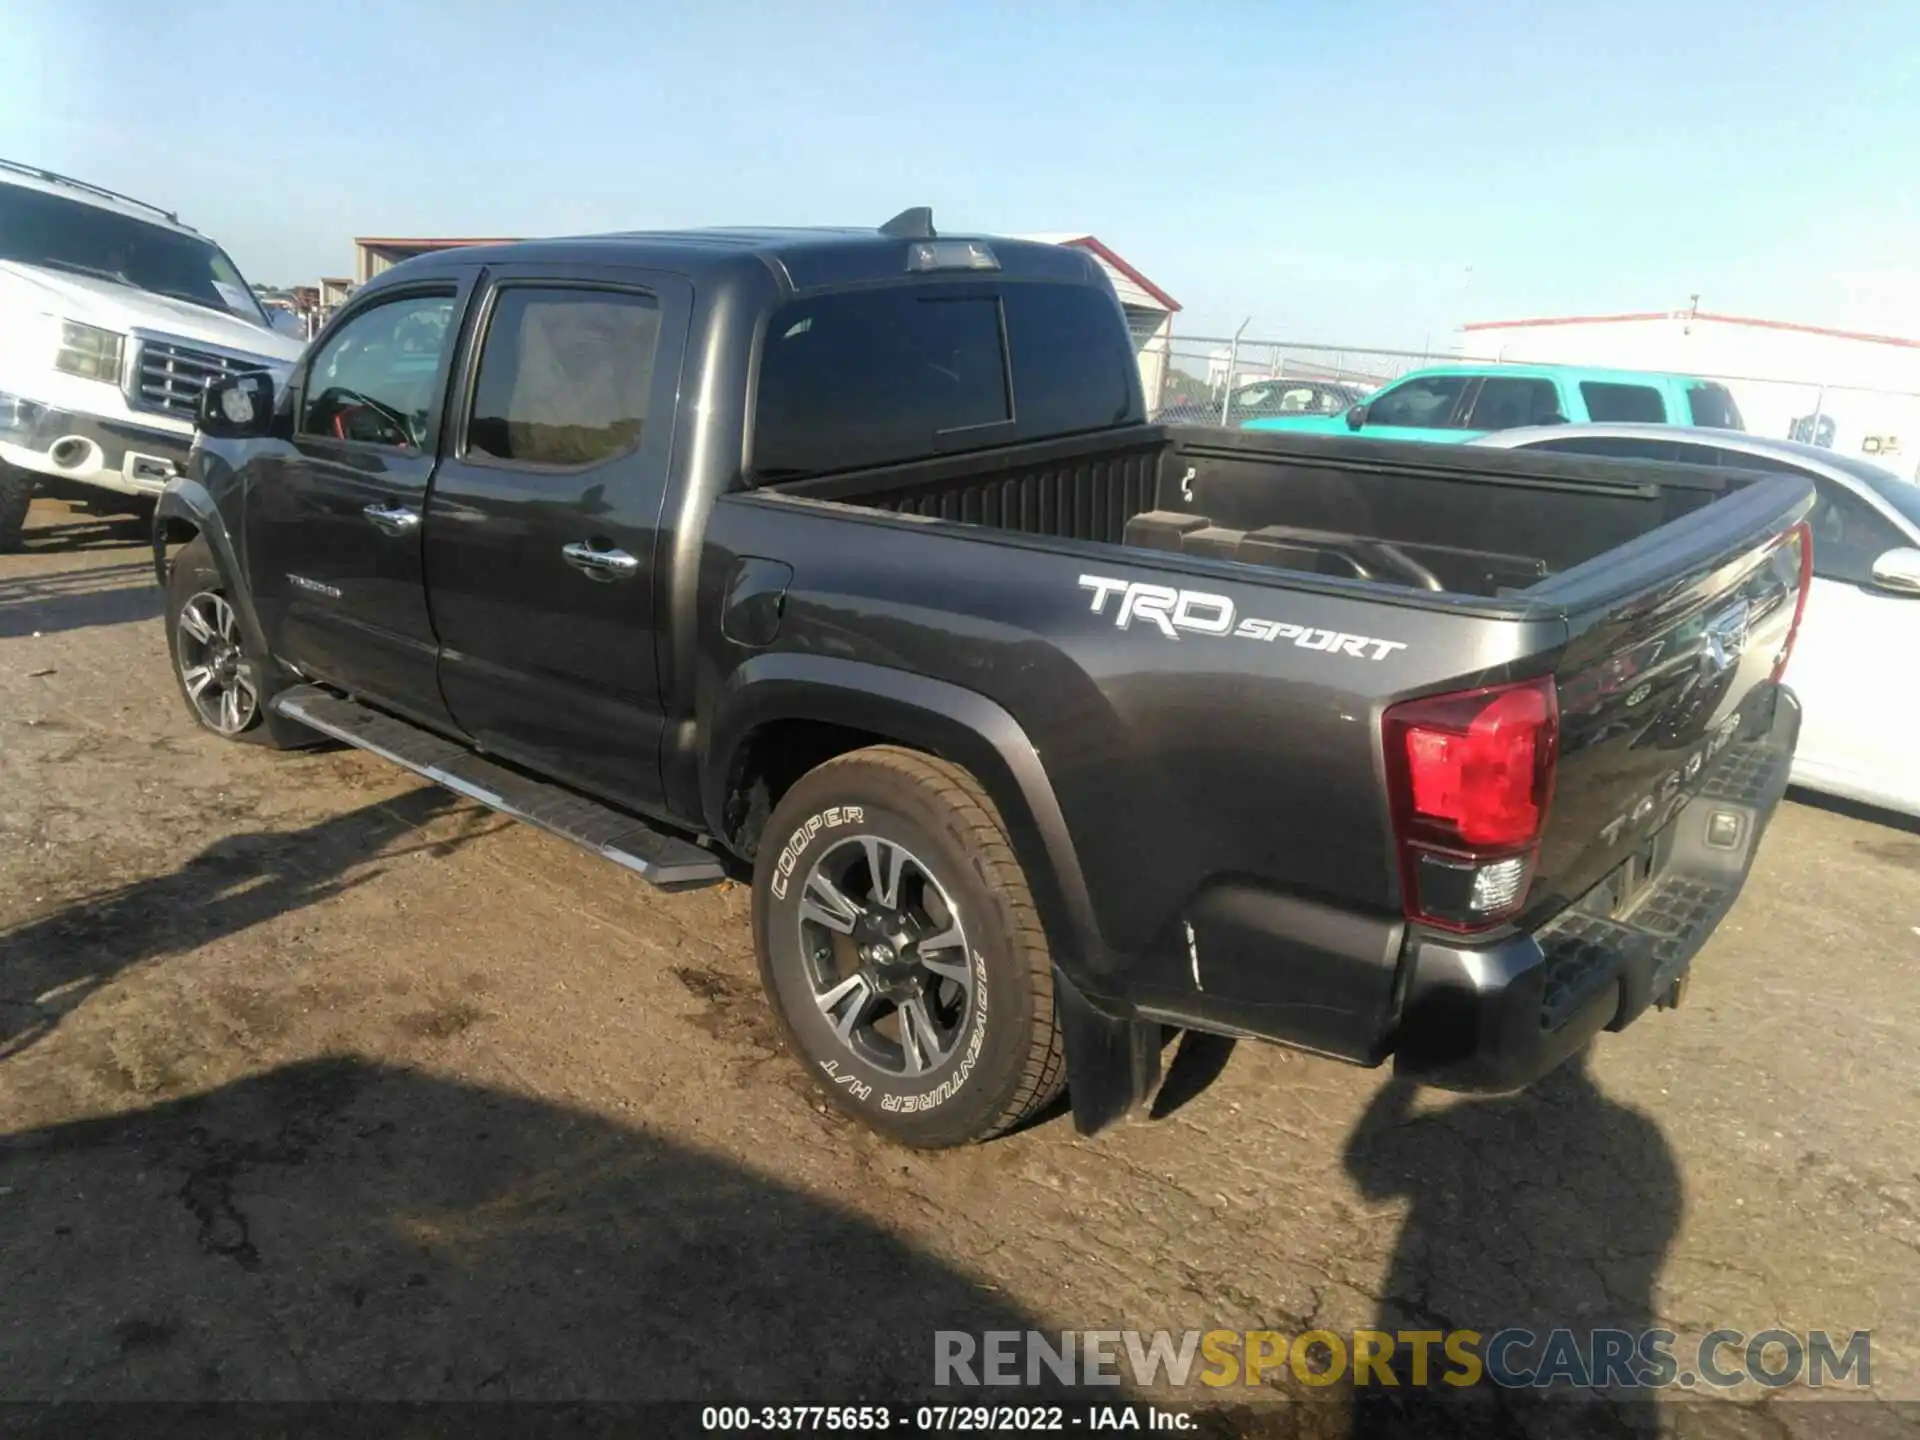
(113, 318)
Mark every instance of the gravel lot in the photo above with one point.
(317, 1082)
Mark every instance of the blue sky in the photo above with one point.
(1363, 173)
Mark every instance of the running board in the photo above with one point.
(660, 859)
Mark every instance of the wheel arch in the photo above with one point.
(781, 715)
(185, 512)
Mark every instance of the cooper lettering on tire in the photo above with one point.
(901, 950)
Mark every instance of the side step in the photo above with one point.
(663, 860)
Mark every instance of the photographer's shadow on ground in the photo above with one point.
(338, 1229)
(1552, 1208)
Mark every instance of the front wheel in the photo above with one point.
(900, 947)
(225, 686)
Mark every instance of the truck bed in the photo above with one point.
(1482, 522)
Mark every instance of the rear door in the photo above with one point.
(1508, 402)
(333, 525)
(541, 530)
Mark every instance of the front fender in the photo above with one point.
(186, 501)
(946, 720)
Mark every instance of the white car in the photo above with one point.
(113, 318)
(1856, 664)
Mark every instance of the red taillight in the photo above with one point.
(1471, 776)
(1802, 537)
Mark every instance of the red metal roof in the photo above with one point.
(1643, 315)
(1089, 242)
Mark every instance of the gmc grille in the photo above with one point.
(169, 377)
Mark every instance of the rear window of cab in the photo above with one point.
(878, 377)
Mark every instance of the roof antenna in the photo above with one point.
(914, 224)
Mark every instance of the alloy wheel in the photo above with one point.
(886, 954)
(213, 664)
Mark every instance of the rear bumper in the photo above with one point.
(1496, 1017)
(133, 459)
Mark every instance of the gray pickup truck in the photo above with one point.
(847, 560)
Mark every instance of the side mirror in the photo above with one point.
(1897, 572)
(1356, 417)
(237, 406)
(1552, 417)
(285, 322)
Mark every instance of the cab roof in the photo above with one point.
(805, 259)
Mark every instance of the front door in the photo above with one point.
(541, 529)
(334, 524)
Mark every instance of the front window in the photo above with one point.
(41, 229)
(375, 380)
(1426, 403)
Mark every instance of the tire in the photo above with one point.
(845, 973)
(16, 494)
(204, 635)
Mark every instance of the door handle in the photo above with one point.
(599, 564)
(393, 520)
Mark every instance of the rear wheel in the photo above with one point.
(16, 494)
(226, 687)
(899, 944)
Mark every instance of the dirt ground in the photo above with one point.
(317, 1082)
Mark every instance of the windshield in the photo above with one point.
(41, 229)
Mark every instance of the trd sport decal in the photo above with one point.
(1198, 613)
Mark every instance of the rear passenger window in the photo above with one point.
(564, 376)
(870, 377)
(1622, 404)
(1504, 403)
(1713, 407)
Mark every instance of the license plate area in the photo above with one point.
(1632, 878)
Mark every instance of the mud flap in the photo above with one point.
(1113, 1063)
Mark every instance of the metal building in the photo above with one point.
(373, 254)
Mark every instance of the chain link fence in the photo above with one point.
(1227, 380)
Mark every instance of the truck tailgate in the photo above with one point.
(1677, 641)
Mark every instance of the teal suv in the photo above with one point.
(1454, 403)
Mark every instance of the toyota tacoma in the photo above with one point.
(846, 560)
